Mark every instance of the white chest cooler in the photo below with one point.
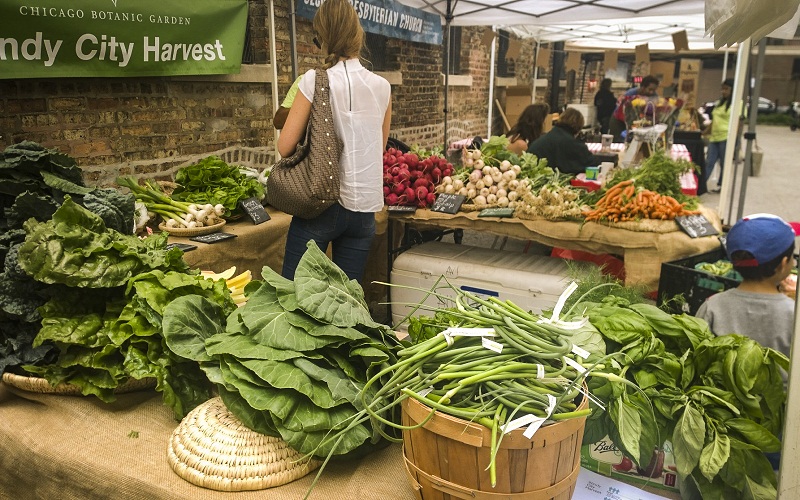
(533, 282)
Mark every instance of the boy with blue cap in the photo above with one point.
(761, 249)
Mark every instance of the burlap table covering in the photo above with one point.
(642, 251)
(69, 447)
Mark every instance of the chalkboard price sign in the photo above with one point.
(401, 209)
(448, 203)
(186, 247)
(254, 210)
(496, 212)
(696, 226)
(213, 237)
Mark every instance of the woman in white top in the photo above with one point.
(361, 104)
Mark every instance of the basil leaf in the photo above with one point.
(687, 440)
(714, 454)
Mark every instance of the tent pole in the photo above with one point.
(750, 136)
(725, 65)
(273, 57)
(293, 39)
(739, 84)
(491, 84)
(447, 19)
(535, 71)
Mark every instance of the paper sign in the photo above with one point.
(680, 41)
(448, 203)
(488, 36)
(513, 49)
(696, 226)
(254, 210)
(213, 237)
(573, 61)
(469, 332)
(610, 59)
(642, 54)
(543, 58)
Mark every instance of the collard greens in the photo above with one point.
(291, 362)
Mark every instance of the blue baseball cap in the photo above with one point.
(765, 236)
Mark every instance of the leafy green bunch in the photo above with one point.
(34, 182)
(293, 361)
(212, 180)
(108, 293)
(718, 399)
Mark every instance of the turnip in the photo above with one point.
(468, 155)
(481, 184)
(449, 189)
(501, 193)
(475, 176)
(516, 168)
(505, 165)
(491, 199)
(497, 175)
(484, 192)
(469, 162)
(476, 153)
(487, 180)
(502, 201)
(471, 192)
(470, 185)
(447, 180)
(457, 183)
(480, 200)
(479, 164)
(513, 185)
(463, 192)
(512, 196)
(486, 170)
(509, 175)
(493, 189)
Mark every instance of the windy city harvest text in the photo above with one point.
(104, 48)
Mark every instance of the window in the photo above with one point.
(796, 68)
(504, 66)
(455, 52)
(376, 52)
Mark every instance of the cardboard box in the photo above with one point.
(517, 99)
(605, 458)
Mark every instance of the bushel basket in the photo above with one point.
(448, 458)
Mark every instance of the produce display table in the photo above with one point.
(69, 447)
(643, 252)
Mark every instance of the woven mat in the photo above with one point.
(213, 449)
(42, 386)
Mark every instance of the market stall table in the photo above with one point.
(72, 447)
(643, 252)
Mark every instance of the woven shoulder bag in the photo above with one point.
(307, 182)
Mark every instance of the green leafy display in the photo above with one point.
(291, 362)
(108, 294)
(719, 400)
(213, 181)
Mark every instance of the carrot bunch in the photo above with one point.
(623, 202)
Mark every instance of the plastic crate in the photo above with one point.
(679, 277)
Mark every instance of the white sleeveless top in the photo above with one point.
(359, 99)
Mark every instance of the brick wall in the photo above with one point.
(148, 126)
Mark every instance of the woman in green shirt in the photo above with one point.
(718, 134)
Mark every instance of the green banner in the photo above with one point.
(114, 38)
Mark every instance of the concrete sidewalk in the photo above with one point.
(777, 189)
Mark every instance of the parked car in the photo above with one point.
(765, 106)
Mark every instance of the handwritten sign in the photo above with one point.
(254, 210)
(401, 209)
(696, 226)
(186, 247)
(496, 212)
(448, 203)
(213, 237)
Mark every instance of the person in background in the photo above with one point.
(761, 248)
(283, 111)
(717, 133)
(647, 89)
(605, 102)
(528, 128)
(560, 146)
(362, 110)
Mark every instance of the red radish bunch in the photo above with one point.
(407, 180)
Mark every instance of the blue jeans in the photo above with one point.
(350, 232)
(716, 152)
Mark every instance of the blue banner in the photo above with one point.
(388, 18)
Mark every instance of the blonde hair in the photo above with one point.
(571, 119)
(339, 30)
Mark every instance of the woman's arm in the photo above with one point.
(295, 126)
(387, 122)
(518, 146)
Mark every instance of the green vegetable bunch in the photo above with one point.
(719, 400)
(295, 359)
(212, 181)
(34, 181)
(108, 294)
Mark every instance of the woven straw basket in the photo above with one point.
(41, 385)
(192, 231)
(213, 449)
